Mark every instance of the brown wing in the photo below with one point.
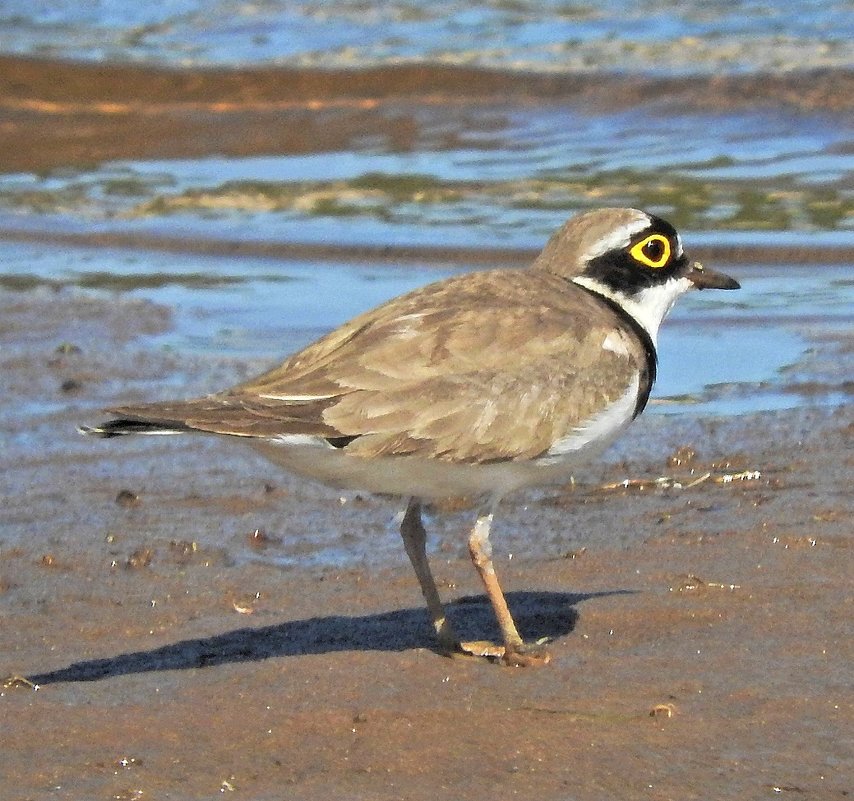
(484, 367)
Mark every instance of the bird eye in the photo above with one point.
(653, 251)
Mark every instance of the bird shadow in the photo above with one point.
(538, 615)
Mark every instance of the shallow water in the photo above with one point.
(493, 175)
(655, 35)
(720, 353)
(469, 172)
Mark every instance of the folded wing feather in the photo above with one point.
(497, 368)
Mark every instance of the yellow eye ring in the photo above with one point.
(652, 251)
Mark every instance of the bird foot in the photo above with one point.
(482, 648)
(519, 656)
(526, 656)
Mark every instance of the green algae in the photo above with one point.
(690, 201)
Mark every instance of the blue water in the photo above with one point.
(538, 166)
(653, 36)
(492, 174)
(720, 353)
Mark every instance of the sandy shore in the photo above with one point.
(702, 636)
(59, 114)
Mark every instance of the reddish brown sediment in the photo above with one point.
(121, 85)
(58, 113)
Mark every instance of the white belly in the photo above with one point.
(413, 475)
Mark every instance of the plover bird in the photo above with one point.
(478, 385)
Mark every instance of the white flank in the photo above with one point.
(601, 429)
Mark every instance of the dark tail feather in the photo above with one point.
(122, 427)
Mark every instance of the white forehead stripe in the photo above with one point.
(617, 238)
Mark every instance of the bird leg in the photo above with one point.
(515, 653)
(415, 542)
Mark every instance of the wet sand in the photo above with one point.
(59, 114)
(702, 636)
